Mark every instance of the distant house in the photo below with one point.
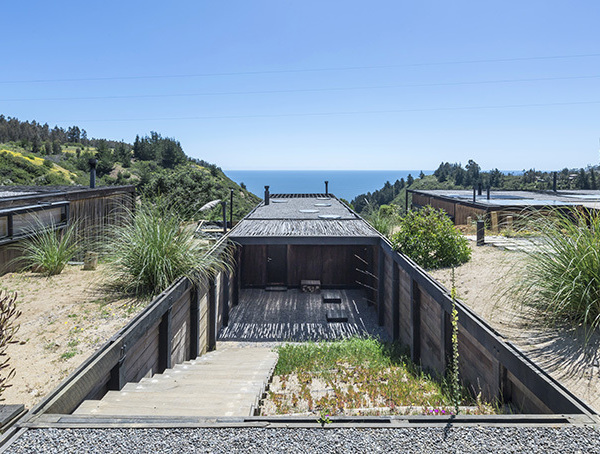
(24, 209)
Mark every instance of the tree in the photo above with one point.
(48, 147)
(123, 154)
(36, 144)
(473, 170)
(73, 134)
(56, 148)
(409, 180)
(105, 159)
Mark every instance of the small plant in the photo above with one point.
(49, 249)
(323, 418)
(8, 330)
(429, 238)
(455, 389)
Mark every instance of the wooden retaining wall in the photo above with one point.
(179, 324)
(416, 310)
(93, 211)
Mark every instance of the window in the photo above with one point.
(20, 222)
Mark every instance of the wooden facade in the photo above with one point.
(333, 265)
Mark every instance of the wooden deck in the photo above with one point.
(295, 316)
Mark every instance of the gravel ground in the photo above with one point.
(255, 440)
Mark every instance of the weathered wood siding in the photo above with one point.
(462, 212)
(487, 364)
(334, 266)
(159, 337)
(420, 200)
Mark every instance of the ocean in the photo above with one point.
(346, 184)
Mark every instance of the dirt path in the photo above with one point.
(64, 319)
(484, 285)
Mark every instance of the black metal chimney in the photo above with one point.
(474, 193)
(326, 187)
(554, 181)
(231, 208)
(479, 188)
(488, 193)
(93, 162)
(266, 195)
(224, 205)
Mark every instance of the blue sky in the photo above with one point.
(317, 84)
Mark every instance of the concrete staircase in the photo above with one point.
(226, 382)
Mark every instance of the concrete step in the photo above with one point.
(229, 382)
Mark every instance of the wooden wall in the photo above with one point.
(174, 327)
(334, 266)
(416, 310)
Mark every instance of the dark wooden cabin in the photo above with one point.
(297, 237)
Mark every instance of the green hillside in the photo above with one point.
(156, 165)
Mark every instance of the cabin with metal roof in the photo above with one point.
(462, 204)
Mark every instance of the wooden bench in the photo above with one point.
(310, 286)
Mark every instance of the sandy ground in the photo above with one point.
(484, 284)
(64, 319)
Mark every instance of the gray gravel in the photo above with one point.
(487, 440)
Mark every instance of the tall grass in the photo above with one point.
(154, 248)
(49, 249)
(562, 276)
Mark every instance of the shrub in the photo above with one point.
(153, 249)
(561, 277)
(8, 330)
(49, 249)
(429, 238)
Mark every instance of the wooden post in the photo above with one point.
(494, 217)
(165, 340)
(381, 287)
(211, 341)
(509, 222)
(195, 322)
(480, 233)
(226, 286)
(117, 373)
(415, 299)
(395, 301)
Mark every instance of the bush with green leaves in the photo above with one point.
(429, 238)
(561, 276)
(154, 248)
(50, 248)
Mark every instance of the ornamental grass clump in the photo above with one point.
(154, 248)
(429, 237)
(561, 276)
(49, 249)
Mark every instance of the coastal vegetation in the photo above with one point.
(154, 248)
(35, 154)
(50, 249)
(561, 277)
(429, 238)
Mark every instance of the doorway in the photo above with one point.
(277, 264)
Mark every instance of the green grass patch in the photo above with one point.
(357, 376)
